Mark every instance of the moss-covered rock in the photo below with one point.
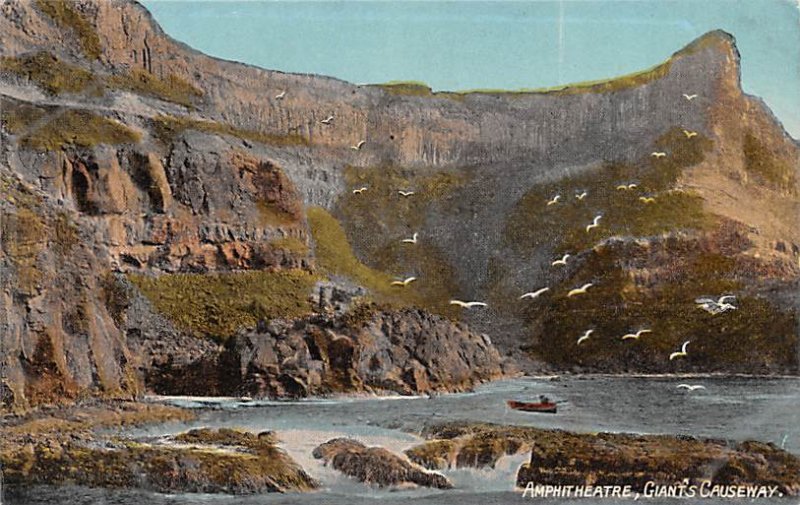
(47, 128)
(218, 305)
(171, 88)
(563, 458)
(376, 465)
(50, 73)
(167, 128)
(65, 451)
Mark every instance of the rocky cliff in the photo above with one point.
(159, 199)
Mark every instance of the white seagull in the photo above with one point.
(626, 187)
(554, 200)
(412, 240)
(690, 387)
(658, 154)
(359, 190)
(585, 336)
(581, 195)
(647, 199)
(581, 290)
(327, 120)
(280, 95)
(358, 146)
(595, 223)
(562, 261)
(405, 193)
(689, 134)
(689, 97)
(467, 305)
(717, 306)
(534, 294)
(404, 282)
(636, 335)
(680, 354)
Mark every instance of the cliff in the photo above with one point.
(198, 203)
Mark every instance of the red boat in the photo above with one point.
(546, 407)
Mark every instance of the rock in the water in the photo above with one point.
(376, 465)
(563, 458)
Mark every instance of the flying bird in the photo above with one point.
(581, 290)
(647, 199)
(595, 223)
(280, 95)
(404, 282)
(554, 200)
(327, 120)
(585, 336)
(636, 335)
(658, 154)
(359, 190)
(534, 294)
(412, 240)
(680, 354)
(689, 134)
(689, 97)
(467, 305)
(690, 387)
(358, 146)
(405, 193)
(717, 306)
(581, 195)
(562, 261)
(626, 187)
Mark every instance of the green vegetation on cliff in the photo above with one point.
(172, 88)
(167, 128)
(765, 165)
(50, 128)
(49, 73)
(217, 305)
(533, 223)
(335, 256)
(647, 262)
(632, 292)
(67, 17)
(376, 222)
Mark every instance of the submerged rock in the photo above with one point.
(376, 465)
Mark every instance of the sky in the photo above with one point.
(460, 45)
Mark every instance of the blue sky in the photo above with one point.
(493, 44)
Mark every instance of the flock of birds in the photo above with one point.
(713, 306)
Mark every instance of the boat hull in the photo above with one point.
(542, 407)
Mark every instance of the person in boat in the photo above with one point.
(544, 399)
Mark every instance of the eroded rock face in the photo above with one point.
(406, 351)
(376, 465)
(59, 336)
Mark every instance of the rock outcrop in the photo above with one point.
(607, 459)
(376, 465)
(368, 350)
(66, 447)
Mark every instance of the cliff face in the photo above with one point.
(196, 192)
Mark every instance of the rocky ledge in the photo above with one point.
(365, 350)
(563, 458)
(66, 446)
(376, 465)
